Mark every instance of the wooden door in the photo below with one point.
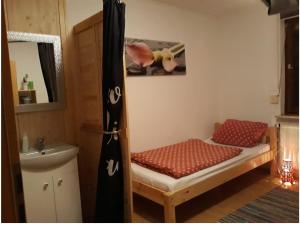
(39, 197)
(11, 187)
(67, 197)
(89, 115)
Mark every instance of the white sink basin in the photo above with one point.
(48, 158)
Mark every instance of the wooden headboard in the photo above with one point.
(269, 137)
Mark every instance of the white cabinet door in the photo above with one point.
(39, 198)
(67, 197)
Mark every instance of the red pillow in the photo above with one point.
(240, 133)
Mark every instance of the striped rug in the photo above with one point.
(277, 206)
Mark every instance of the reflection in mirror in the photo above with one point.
(35, 77)
(36, 66)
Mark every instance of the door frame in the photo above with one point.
(12, 195)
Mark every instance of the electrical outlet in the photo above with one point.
(274, 99)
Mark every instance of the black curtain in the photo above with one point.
(286, 8)
(110, 188)
(46, 54)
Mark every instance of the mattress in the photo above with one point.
(184, 158)
(167, 183)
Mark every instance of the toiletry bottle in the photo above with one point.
(25, 144)
(30, 85)
(25, 82)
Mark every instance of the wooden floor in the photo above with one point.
(215, 204)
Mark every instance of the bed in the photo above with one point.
(170, 192)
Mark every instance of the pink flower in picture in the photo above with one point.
(147, 57)
(140, 53)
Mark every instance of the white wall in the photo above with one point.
(25, 54)
(78, 10)
(248, 64)
(232, 70)
(164, 110)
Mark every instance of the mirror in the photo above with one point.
(36, 70)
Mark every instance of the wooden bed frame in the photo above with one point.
(170, 199)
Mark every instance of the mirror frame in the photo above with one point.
(55, 40)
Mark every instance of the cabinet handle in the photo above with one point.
(59, 181)
(45, 185)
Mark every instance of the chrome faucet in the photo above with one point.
(40, 143)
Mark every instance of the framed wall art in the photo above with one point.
(152, 58)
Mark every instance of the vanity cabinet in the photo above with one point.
(52, 195)
(66, 189)
(39, 198)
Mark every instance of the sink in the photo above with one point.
(51, 156)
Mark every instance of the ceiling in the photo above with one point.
(211, 7)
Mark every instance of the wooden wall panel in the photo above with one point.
(89, 155)
(10, 169)
(89, 84)
(128, 198)
(41, 124)
(8, 202)
(69, 67)
(46, 17)
(33, 16)
(47, 124)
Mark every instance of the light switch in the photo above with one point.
(274, 99)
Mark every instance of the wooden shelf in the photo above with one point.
(27, 93)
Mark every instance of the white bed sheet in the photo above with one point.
(167, 183)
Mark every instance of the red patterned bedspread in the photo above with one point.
(181, 159)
